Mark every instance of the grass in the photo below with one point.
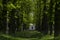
(26, 36)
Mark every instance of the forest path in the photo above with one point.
(7, 37)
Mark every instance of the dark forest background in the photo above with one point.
(16, 16)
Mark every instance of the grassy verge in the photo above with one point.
(26, 36)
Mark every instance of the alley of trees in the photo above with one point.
(16, 16)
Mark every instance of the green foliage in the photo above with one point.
(14, 13)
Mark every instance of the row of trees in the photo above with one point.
(47, 16)
(15, 15)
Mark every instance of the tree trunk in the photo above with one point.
(57, 19)
(50, 16)
(4, 15)
(45, 20)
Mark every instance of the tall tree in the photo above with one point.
(57, 19)
(1, 8)
(45, 19)
(38, 14)
(4, 16)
